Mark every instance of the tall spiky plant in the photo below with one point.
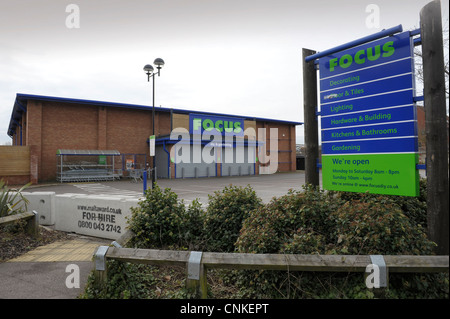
(12, 201)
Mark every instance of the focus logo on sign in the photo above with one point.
(368, 118)
(371, 54)
(216, 125)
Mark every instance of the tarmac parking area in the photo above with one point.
(266, 186)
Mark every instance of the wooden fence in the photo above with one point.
(198, 263)
(32, 226)
(15, 164)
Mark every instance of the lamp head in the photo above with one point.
(159, 62)
(148, 68)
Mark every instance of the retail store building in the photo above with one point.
(189, 143)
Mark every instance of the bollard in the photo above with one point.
(145, 181)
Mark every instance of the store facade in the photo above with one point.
(188, 143)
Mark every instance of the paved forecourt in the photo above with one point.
(266, 186)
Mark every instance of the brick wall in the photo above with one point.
(53, 125)
(50, 126)
(286, 144)
(66, 126)
(128, 130)
(34, 133)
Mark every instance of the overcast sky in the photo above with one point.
(240, 57)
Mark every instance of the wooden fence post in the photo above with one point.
(435, 126)
(198, 288)
(32, 226)
(310, 119)
(196, 282)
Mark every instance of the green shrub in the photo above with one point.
(377, 226)
(124, 281)
(158, 221)
(294, 223)
(314, 222)
(415, 208)
(162, 221)
(226, 211)
(194, 220)
(270, 227)
(305, 240)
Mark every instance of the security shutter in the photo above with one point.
(238, 161)
(196, 167)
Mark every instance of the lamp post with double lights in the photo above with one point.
(148, 68)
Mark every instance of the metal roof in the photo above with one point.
(20, 107)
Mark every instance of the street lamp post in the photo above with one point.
(148, 68)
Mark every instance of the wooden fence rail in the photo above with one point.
(197, 263)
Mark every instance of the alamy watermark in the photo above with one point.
(375, 277)
(210, 147)
(373, 17)
(73, 17)
(73, 279)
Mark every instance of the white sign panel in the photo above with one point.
(152, 145)
(97, 216)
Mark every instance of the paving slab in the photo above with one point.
(56, 271)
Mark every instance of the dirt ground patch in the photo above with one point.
(14, 242)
